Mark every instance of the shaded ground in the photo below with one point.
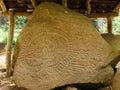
(4, 81)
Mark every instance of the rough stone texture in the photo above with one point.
(114, 41)
(59, 47)
(11, 88)
(116, 81)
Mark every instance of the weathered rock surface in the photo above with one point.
(11, 88)
(59, 47)
(114, 41)
(116, 80)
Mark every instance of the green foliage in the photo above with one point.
(4, 28)
(101, 24)
(116, 24)
(19, 24)
(4, 38)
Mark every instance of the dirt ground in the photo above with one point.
(4, 81)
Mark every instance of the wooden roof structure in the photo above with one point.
(91, 8)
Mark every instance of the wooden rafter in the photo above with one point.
(88, 6)
(2, 5)
(34, 3)
(64, 3)
(116, 9)
(16, 14)
(102, 15)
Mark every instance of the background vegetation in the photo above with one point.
(100, 24)
(20, 22)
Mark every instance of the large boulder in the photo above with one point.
(58, 47)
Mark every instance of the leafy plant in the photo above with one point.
(101, 25)
(116, 24)
(19, 24)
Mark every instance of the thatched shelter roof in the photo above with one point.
(92, 8)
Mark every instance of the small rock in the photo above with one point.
(70, 88)
(106, 88)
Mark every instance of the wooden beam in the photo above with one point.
(34, 3)
(2, 5)
(104, 1)
(64, 3)
(109, 22)
(102, 15)
(17, 14)
(88, 6)
(9, 43)
(116, 9)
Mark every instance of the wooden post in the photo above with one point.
(9, 43)
(88, 6)
(64, 3)
(109, 24)
(34, 3)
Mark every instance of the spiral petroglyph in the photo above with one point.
(58, 47)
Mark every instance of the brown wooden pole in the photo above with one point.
(64, 3)
(9, 43)
(34, 3)
(109, 22)
(88, 6)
